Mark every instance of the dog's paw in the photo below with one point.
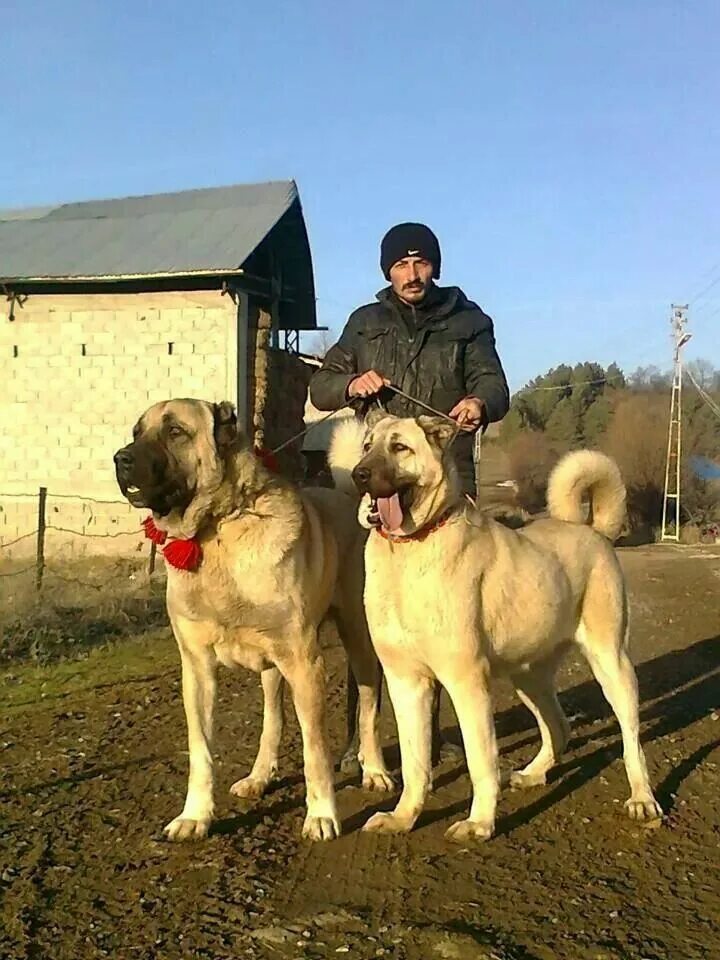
(321, 828)
(387, 823)
(647, 809)
(377, 781)
(249, 788)
(181, 828)
(522, 780)
(469, 831)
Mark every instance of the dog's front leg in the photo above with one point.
(304, 669)
(411, 695)
(198, 685)
(469, 688)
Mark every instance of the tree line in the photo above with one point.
(627, 416)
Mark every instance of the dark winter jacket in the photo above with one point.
(440, 351)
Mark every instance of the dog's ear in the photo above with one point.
(375, 415)
(439, 432)
(225, 429)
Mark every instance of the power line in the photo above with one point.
(705, 396)
(708, 273)
(702, 293)
(568, 386)
(709, 316)
(704, 306)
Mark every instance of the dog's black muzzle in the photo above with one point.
(146, 478)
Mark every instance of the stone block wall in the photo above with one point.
(278, 392)
(75, 373)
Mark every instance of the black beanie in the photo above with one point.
(409, 240)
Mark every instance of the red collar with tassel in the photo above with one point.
(179, 553)
(419, 535)
(186, 554)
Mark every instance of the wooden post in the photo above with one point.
(40, 559)
(151, 564)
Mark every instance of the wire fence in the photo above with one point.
(39, 533)
(61, 592)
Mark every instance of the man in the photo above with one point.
(431, 342)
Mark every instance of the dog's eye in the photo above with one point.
(400, 448)
(366, 447)
(176, 433)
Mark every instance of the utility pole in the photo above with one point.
(680, 336)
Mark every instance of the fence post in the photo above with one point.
(151, 565)
(40, 559)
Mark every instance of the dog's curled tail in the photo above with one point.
(344, 453)
(588, 473)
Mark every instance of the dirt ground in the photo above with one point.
(94, 762)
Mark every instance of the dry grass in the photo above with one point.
(82, 604)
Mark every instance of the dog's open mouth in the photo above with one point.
(135, 496)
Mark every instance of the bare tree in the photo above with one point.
(321, 343)
(704, 372)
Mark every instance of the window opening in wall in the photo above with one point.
(170, 347)
(16, 352)
(83, 350)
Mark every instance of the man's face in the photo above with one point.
(411, 278)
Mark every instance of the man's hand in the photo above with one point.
(468, 413)
(367, 384)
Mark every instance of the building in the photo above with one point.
(109, 306)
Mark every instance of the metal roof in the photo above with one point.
(195, 236)
(212, 230)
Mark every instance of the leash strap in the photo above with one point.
(390, 386)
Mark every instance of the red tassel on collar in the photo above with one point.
(152, 532)
(268, 459)
(183, 554)
(179, 553)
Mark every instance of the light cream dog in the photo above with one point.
(451, 595)
(274, 561)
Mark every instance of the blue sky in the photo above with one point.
(566, 153)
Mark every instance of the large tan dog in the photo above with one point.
(451, 595)
(273, 561)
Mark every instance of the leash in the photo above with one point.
(390, 386)
(306, 430)
(420, 403)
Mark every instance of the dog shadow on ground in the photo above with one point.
(677, 689)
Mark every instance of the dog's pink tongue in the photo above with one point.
(390, 512)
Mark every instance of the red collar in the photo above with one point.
(419, 535)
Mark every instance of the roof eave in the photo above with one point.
(118, 277)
